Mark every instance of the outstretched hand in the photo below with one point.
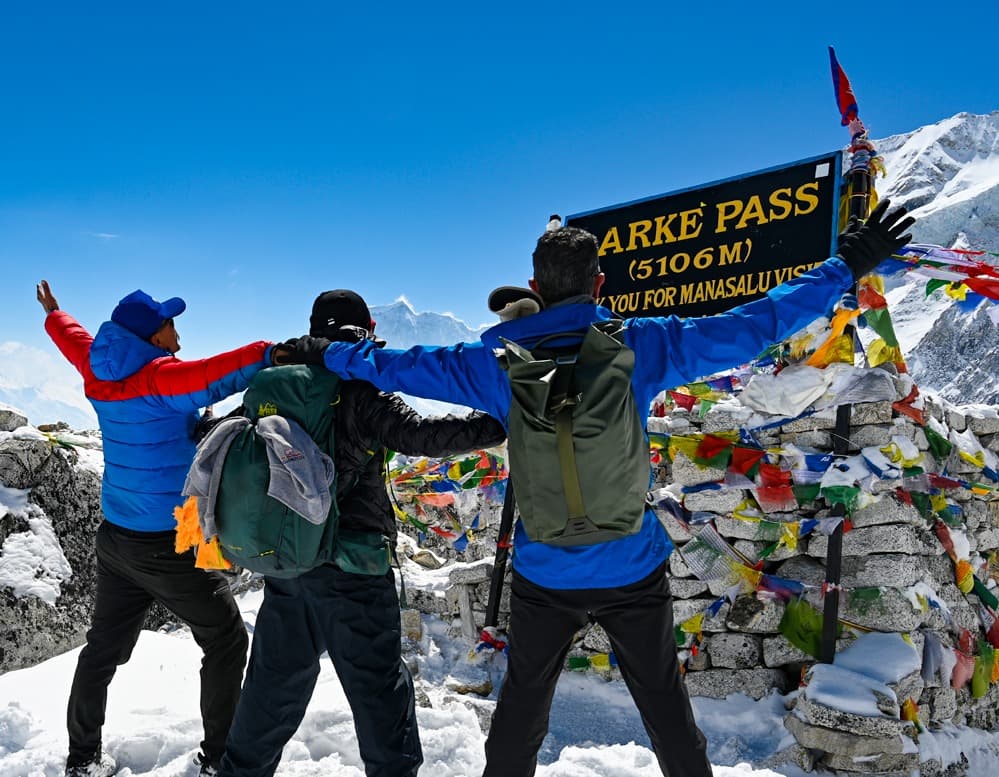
(864, 246)
(300, 350)
(45, 298)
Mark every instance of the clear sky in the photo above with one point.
(246, 156)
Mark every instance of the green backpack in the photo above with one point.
(577, 446)
(256, 531)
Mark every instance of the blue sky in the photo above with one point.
(246, 156)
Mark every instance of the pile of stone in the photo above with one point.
(66, 498)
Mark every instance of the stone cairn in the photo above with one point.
(896, 575)
(64, 499)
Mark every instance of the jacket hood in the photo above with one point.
(117, 353)
(574, 317)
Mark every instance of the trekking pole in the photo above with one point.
(859, 180)
(503, 542)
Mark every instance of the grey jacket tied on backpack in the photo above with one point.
(300, 473)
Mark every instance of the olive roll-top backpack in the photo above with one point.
(577, 444)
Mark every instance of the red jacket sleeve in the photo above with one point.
(187, 385)
(70, 338)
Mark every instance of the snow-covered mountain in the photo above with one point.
(947, 175)
(402, 327)
(43, 386)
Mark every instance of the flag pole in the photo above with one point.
(503, 542)
(859, 189)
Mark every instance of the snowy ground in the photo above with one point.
(153, 726)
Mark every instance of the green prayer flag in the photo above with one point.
(578, 663)
(933, 284)
(988, 598)
(982, 675)
(806, 492)
(841, 495)
(940, 446)
(880, 322)
(802, 627)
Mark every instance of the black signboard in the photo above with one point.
(705, 250)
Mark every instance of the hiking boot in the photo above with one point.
(103, 765)
(208, 768)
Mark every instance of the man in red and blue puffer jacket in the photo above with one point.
(147, 402)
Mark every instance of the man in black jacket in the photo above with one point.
(353, 616)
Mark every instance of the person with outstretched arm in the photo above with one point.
(345, 608)
(620, 583)
(147, 402)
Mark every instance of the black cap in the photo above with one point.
(339, 308)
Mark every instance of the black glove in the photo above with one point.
(302, 350)
(864, 246)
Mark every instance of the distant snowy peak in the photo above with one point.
(947, 175)
(43, 387)
(402, 327)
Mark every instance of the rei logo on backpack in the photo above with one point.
(285, 447)
(577, 446)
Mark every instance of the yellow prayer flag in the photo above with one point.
(693, 624)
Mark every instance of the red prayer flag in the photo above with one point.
(744, 459)
(686, 401)
(845, 99)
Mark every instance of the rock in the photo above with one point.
(958, 422)
(426, 559)
(894, 538)
(596, 639)
(687, 588)
(778, 652)
(795, 755)
(719, 683)
(881, 569)
(11, 419)
(722, 501)
(881, 609)
(861, 725)
(870, 413)
(933, 767)
(22, 462)
(723, 418)
(900, 763)
(412, 626)
(465, 574)
(887, 509)
(734, 651)
(871, 434)
(984, 425)
(824, 419)
(942, 703)
(843, 742)
(813, 438)
(755, 615)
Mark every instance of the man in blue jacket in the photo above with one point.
(147, 403)
(621, 584)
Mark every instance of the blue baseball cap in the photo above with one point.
(141, 315)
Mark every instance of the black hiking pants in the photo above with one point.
(133, 570)
(355, 618)
(638, 619)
